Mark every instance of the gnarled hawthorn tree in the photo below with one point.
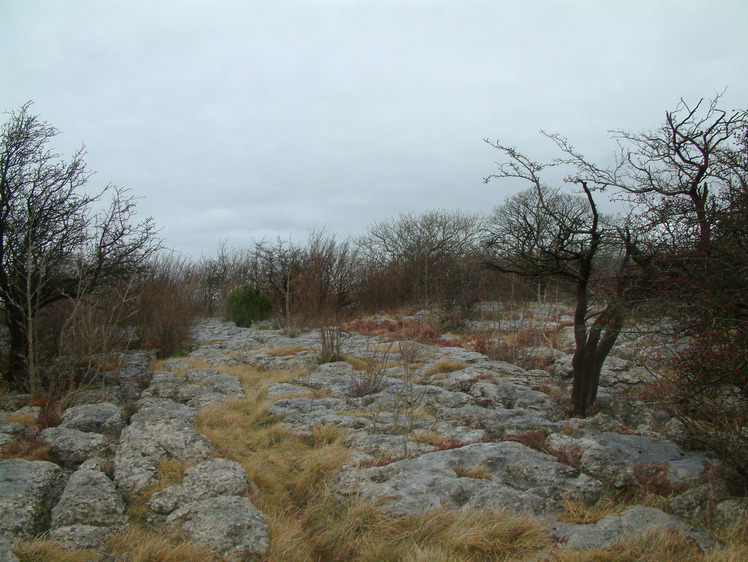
(52, 244)
(544, 232)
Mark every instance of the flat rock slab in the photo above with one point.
(230, 525)
(28, 490)
(613, 455)
(510, 475)
(633, 521)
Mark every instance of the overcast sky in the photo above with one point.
(263, 119)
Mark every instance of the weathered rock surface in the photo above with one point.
(80, 536)
(28, 490)
(230, 525)
(211, 478)
(89, 509)
(149, 440)
(613, 528)
(699, 501)
(104, 418)
(730, 511)
(615, 456)
(6, 552)
(519, 478)
(71, 447)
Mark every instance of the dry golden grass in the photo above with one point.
(444, 366)
(284, 351)
(140, 544)
(45, 550)
(479, 471)
(16, 417)
(654, 545)
(735, 541)
(351, 530)
(29, 448)
(171, 472)
(579, 512)
(426, 436)
(657, 545)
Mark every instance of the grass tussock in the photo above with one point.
(579, 512)
(444, 366)
(284, 351)
(43, 550)
(287, 469)
(29, 448)
(140, 544)
(480, 471)
(658, 545)
(351, 530)
(654, 545)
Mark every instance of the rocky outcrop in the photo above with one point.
(148, 440)
(28, 491)
(616, 457)
(230, 525)
(89, 509)
(425, 435)
(482, 475)
(211, 478)
(71, 447)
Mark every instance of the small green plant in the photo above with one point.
(246, 304)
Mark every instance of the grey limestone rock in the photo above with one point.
(146, 442)
(230, 525)
(211, 478)
(698, 502)
(72, 447)
(632, 521)
(6, 552)
(160, 409)
(519, 478)
(731, 510)
(89, 498)
(105, 418)
(80, 536)
(614, 456)
(28, 490)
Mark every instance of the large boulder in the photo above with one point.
(89, 498)
(28, 491)
(105, 418)
(90, 508)
(71, 447)
(230, 525)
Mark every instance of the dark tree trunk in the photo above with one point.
(589, 358)
(16, 374)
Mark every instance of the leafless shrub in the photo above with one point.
(372, 378)
(165, 312)
(331, 340)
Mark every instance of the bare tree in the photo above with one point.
(543, 232)
(423, 246)
(52, 245)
